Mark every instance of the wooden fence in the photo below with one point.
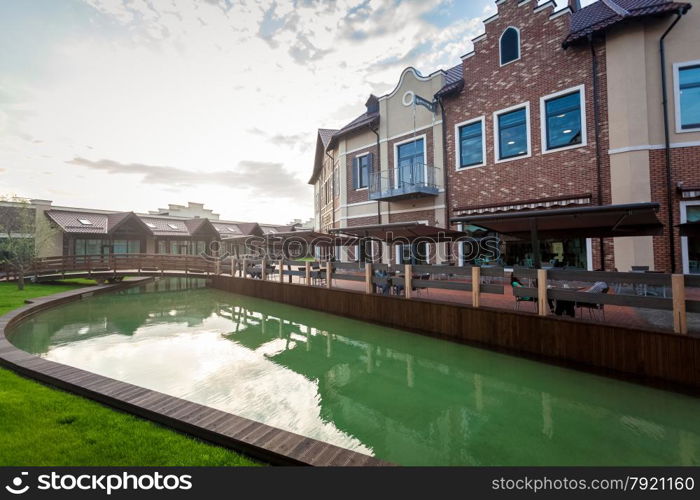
(651, 290)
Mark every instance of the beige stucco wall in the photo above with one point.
(48, 238)
(636, 112)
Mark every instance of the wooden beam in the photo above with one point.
(369, 286)
(329, 274)
(680, 318)
(263, 269)
(476, 286)
(308, 273)
(542, 307)
(408, 280)
(281, 264)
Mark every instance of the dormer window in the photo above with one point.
(510, 45)
(85, 222)
(152, 226)
(173, 227)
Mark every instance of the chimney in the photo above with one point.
(575, 5)
(372, 104)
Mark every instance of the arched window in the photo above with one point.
(510, 45)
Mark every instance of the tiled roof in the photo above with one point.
(364, 120)
(326, 134)
(605, 13)
(227, 230)
(454, 81)
(70, 223)
(166, 227)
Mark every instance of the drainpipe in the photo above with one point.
(379, 203)
(667, 138)
(598, 152)
(332, 185)
(445, 164)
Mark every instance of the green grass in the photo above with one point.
(40, 425)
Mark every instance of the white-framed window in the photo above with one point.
(411, 160)
(511, 133)
(470, 143)
(690, 246)
(686, 79)
(563, 120)
(362, 168)
(509, 45)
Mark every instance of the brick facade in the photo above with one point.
(544, 68)
(685, 168)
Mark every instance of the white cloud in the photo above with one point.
(186, 84)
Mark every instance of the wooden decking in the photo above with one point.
(253, 438)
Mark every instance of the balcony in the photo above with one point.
(408, 181)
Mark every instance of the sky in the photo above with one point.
(134, 104)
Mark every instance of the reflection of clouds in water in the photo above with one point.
(203, 367)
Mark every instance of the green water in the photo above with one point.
(398, 396)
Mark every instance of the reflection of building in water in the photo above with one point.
(448, 406)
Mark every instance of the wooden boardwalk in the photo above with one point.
(255, 439)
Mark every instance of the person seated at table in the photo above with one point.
(384, 287)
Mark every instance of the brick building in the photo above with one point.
(553, 113)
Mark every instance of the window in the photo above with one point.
(470, 145)
(152, 226)
(410, 160)
(362, 168)
(512, 132)
(688, 97)
(85, 222)
(563, 120)
(173, 227)
(510, 45)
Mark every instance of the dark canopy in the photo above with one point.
(401, 231)
(633, 219)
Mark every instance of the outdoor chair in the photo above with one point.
(515, 283)
(592, 307)
(419, 289)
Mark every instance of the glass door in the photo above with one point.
(411, 166)
(693, 215)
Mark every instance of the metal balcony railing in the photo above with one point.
(406, 181)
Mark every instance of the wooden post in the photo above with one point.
(281, 270)
(369, 286)
(680, 323)
(263, 269)
(329, 274)
(233, 267)
(542, 292)
(408, 280)
(476, 286)
(244, 265)
(308, 273)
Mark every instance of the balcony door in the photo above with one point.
(411, 163)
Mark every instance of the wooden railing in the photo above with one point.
(650, 290)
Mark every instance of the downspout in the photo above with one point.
(667, 139)
(598, 153)
(445, 164)
(379, 203)
(332, 194)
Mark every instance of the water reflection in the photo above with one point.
(402, 397)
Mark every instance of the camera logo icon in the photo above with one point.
(16, 488)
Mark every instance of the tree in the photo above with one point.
(17, 237)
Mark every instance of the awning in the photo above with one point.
(633, 219)
(690, 228)
(400, 232)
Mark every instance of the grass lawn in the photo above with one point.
(40, 425)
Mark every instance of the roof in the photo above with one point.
(323, 140)
(603, 14)
(401, 231)
(631, 219)
(364, 120)
(104, 222)
(454, 81)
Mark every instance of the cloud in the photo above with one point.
(261, 179)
